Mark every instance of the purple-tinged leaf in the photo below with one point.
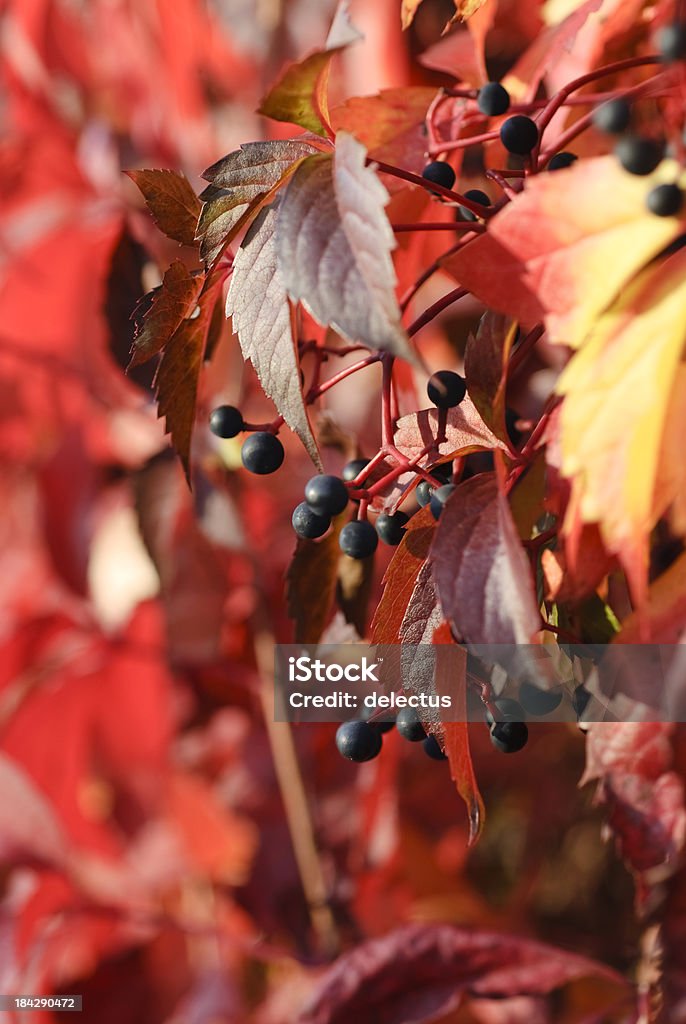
(263, 320)
(334, 244)
(481, 571)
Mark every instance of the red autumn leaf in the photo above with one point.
(485, 367)
(390, 126)
(174, 206)
(30, 830)
(647, 818)
(311, 584)
(421, 972)
(482, 575)
(176, 380)
(401, 577)
(265, 324)
(161, 313)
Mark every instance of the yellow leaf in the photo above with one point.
(617, 390)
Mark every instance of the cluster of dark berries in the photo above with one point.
(262, 452)
(361, 741)
(325, 497)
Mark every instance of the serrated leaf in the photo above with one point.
(422, 972)
(617, 391)
(176, 381)
(237, 182)
(300, 95)
(401, 576)
(174, 206)
(391, 125)
(263, 320)
(311, 584)
(482, 575)
(485, 365)
(162, 311)
(334, 244)
(464, 432)
(464, 9)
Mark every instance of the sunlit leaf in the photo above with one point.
(174, 206)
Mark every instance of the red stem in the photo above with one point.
(432, 312)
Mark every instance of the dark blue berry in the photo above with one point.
(432, 749)
(352, 469)
(560, 160)
(307, 524)
(391, 529)
(409, 725)
(358, 741)
(262, 453)
(493, 99)
(665, 200)
(358, 539)
(423, 492)
(671, 42)
(639, 155)
(446, 389)
(537, 701)
(476, 196)
(327, 495)
(439, 498)
(226, 421)
(612, 117)
(509, 737)
(519, 134)
(440, 173)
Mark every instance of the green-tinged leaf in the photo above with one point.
(162, 311)
(176, 382)
(526, 497)
(239, 184)
(263, 318)
(311, 584)
(174, 206)
(300, 95)
(485, 364)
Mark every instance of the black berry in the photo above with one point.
(352, 469)
(443, 472)
(327, 495)
(423, 492)
(358, 539)
(560, 160)
(638, 155)
(439, 498)
(409, 725)
(383, 726)
(391, 529)
(262, 453)
(537, 701)
(476, 196)
(226, 421)
(506, 710)
(519, 134)
(493, 99)
(580, 699)
(671, 42)
(440, 173)
(358, 741)
(307, 524)
(665, 200)
(432, 749)
(509, 737)
(446, 389)
(613, 117)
